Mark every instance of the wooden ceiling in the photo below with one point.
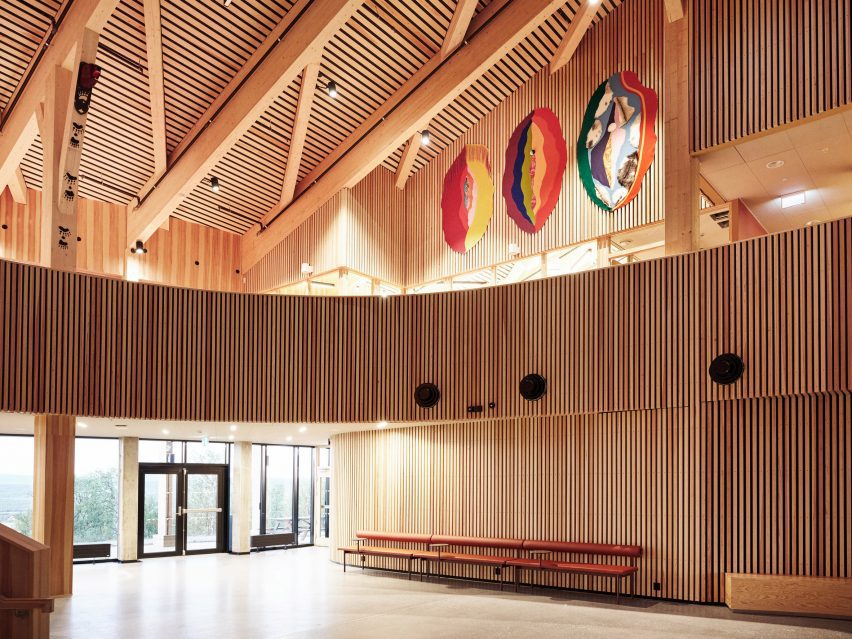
(205, 44)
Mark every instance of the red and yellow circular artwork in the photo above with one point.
(535, 163)
(468, 199)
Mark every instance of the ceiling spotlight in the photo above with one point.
(233, 427)
(302, 429)
(231, 437)
(139, 248)
(331, 89)
(165, 431)
(228, 3)
(289, 438)
(214, 184)
(425, 138)
(82, 425)
(381, 424)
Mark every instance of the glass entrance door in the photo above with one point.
(181, 509)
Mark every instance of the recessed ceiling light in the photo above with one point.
(302, 429)
(165, 431)
(381, 424)
(231, 437)
(812, 222)
(775, 164)
(289, 438)
(82, 425)
(228, 3)
(233, 427)
(794, 199)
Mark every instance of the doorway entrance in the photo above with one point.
(182, 509)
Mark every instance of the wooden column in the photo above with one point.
(681, 169)
(241, 505)
(53, 496)
(128, 504)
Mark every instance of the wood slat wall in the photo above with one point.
(630, 38)
(362, 228)
(751, 485)
(758, 64)
(104, 250)
(634, 337)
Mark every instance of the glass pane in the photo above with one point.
(279, 489)
(325, 506)
(158, 451)
(202, 511)
(16, 483)
(211, 453)
(325, 457)
(160, 512)
(256, 457)
(306, 495)
(96, 492)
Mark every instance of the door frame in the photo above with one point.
(183, 470)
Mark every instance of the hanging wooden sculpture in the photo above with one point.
(617, 139)
(468, 199)
(535, 164)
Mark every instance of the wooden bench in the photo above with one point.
(440, 549)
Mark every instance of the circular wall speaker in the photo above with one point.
(726, 368)
(427, 395)
(532, 387)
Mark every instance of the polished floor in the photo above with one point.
(299, 593)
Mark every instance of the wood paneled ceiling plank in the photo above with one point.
(574, 35)
(154, 54)
(458, 25)
(258, 89)
(426, 94)
(18, 187)
(20, 128)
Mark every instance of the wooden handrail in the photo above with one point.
(22, 603)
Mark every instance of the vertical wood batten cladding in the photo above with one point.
(758, 64)
(362, 228)
(630, 38)
(749, 485)
(626, 338)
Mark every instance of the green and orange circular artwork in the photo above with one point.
(617, 140)
(535, 163)
(468, 199)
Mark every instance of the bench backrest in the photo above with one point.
(407, 538)
(478, 542)
(616, 550)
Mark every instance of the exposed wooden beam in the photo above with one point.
(674, 10)
(443, 84)
(154, 50)
(299, 131)
(19, 126)
(403, 169)
(574, 35)
(299, 45)
(458, 25)
(18, 187)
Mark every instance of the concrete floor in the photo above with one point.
(299, 593)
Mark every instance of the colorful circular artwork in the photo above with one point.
(468, 199)
(617, 139)
(535, 163)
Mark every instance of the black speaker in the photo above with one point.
(726, 368)
(532, 387)
(427, 395)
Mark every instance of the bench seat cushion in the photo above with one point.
(478, 542)
(403, 538)
(617, 550)
(485, 560)
(589, 569)
(378, 551)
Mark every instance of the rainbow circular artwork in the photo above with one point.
(535, 163)
(468, 199)
(617, 139)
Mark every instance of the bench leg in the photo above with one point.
(410, 559)
(517, 578)
(617, 589)
(344, 560)
(633, 585)
(363, 562)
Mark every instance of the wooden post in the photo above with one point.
(53, 496)
(681, 169)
